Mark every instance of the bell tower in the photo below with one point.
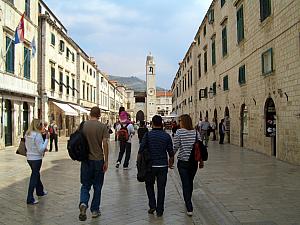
(151, 87)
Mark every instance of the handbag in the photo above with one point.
(199, 151)
(22, 148)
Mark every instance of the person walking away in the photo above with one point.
(213, 128)
(204, 130)
(142, 130)
(125, 132)
(36, 147)
(92, 171)
(184, 139)
(174, 128)
(221, 131)
(53, 129)
(159, 145)
(44, 130)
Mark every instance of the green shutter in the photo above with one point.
(27, 55)
(240, 24)
(224, 41)
(213, 52)
(214, 88)
(225, 83)
(10, 55)
(242, 75)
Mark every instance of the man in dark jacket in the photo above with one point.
(161, 146)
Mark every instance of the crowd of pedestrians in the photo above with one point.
(161, 146)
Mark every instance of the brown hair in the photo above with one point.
(186, 122)
(95, 112)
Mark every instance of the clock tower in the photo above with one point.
(151, 87)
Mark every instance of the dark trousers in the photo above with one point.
(91, 174)
(35, 180)
(160, 175)
(222, 135)
(124, 146)
(187, 173)
(214, 134)
(53, 137)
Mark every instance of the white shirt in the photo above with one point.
(130, 130)
(35, 146)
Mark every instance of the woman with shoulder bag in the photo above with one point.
(184, 140)
(36, 147)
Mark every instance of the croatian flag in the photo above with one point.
(19, 34)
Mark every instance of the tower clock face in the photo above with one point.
(151, 91)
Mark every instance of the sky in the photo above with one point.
(119, 34)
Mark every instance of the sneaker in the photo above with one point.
(44, 194)
(125, 168)
(159, 214)
(189, 213)
(118, 165)
(96, 214)
(33, 203)
(151, 211)
(82, 209)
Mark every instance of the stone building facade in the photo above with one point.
(244, 66)
(18, 70)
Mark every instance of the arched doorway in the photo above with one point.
(227, 123)
(140, 116)
(25, 117)
(270, 123)
(206, 114)
(244, 124)
(8, 123)
(200, 115)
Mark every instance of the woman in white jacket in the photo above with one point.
(36, 147)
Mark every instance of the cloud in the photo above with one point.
(119, 34)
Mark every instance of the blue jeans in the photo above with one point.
(91, 173)
(35, 180)
(159, 174)
(124, 146)
(187, 173)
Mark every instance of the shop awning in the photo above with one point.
(69, 111)
(83, 110)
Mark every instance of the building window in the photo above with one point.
(205, 92)
(61, 82)
(83, 91)
(214, 88)
(198, 40)
(222, 3)
(27, 8)
(213, 52)
(240, 24)
(267, 62)
(188, 78)
(73, 57)
(185, 83)
(91, 72)
(73, 87)
(91, 99)
(52, 78)
(52, 39)
(224, 41)
(61, 46)
(191, 76)
(10, 55)
(83, 65)
(68, 83)
(27, 56)
(225, 83)
(211, 16)
(205, 62)
(87, 91)
(68, 53)
(242, 75)
(265, 9)
(94, 95)
(199, 67)
(204, 30)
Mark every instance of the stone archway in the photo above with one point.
(243, 124)
(8, 123)
(25, 117)
(227, 123)
(270, 123)
(140, 116)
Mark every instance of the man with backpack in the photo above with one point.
(53, 130)
(125, 130)
(161, 146)
(92, 170)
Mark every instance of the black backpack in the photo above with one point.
(78, 146)
(143, 163)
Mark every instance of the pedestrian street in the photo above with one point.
(236, 186)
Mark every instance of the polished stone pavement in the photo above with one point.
(237, 186)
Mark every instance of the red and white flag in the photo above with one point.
(19, 34)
